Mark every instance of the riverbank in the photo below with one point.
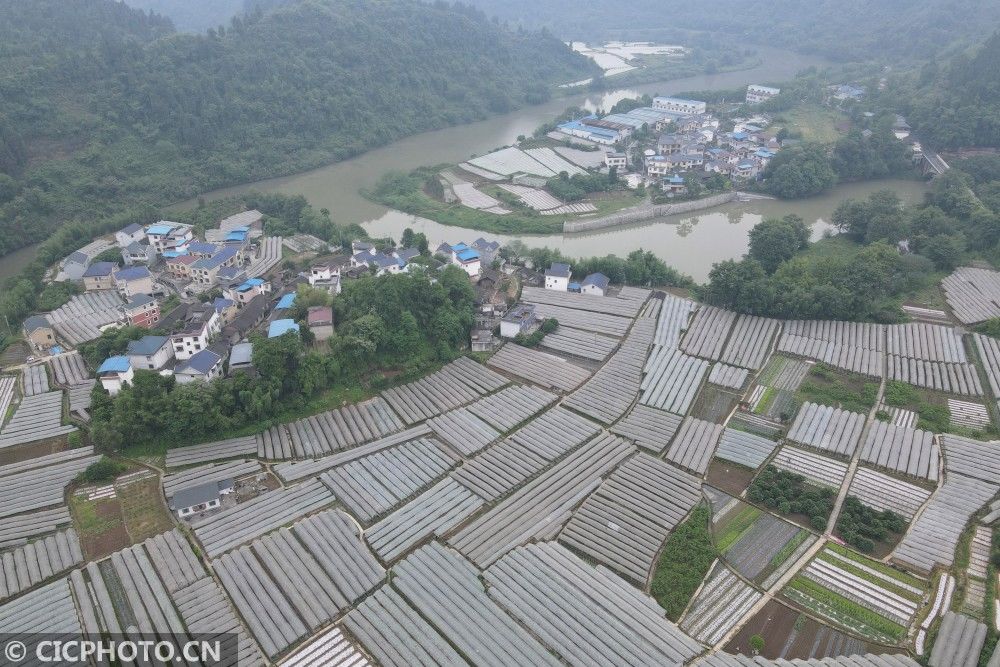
(648, 211)
(689, 242)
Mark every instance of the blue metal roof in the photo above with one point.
(467, 255)
(248, 285)
(119, 364)
(281, 327)
(159, 230)
(146, 346)
(597, 279)
(99, 269)
(285, 302)
(133, 273)
(218, 259)
(203, 362)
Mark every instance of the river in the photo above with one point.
(690, 243)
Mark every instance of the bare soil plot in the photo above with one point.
(100, 525)
(729, 477)
(143, 510)
(789, 635)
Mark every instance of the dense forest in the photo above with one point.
(844, 30)
(955, 103)
(103, 105)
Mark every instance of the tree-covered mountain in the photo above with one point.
(844, 30)
(957, 103)
(103, 106)
(193, 15)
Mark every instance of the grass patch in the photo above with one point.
(144, 512)
(88, 521)
(882, 568)
(736, 527)
(766, 399)
(823, 601)
(931, 408)
(829, 386)
(684, 562)
(811, 122)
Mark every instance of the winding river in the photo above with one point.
(691, 243)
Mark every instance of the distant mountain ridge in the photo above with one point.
(102, 105)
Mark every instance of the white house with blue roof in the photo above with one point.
(595, 283)
(114, 373)
(557, 277)
(203, 366)
(150, 353)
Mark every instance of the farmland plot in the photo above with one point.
(762, 547)
(792, 635)
(719, 606)
(860, 594)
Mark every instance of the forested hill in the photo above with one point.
(193, 15)
(843, 30)
(957, 103)
(102, 106)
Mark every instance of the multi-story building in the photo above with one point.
(201, 325)
(99, 276)
(757, 94)
(679, 105)
(150, 353)
(142, 310)
(557, 277)
(133, 281)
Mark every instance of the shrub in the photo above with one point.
(104, 470)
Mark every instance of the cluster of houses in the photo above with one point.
(195, 339)
(689, 142)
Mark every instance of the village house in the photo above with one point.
(246, 291)
(286, 301)
(200, 326)
(616, 160)
(281, 327)
(167, 236)
(142, 310)
(488, 251)
(679, 105)
(595, 283)
(226, 308)
(249, 317)
(205, 271)
(202, 249)
(241, 359)
(481, 340)
(200, 498)
(557, 277)
(180, 266)
(150, 353)
(99, 276)
(138, 253)
(325, 275)
(757, 94)
(252, 220)
(114, 373)
(203, 366)
(521, 319)
(76, 263)
(130, 234)
(320, 320)
(39, 332)
(134, 281)
(674, 185)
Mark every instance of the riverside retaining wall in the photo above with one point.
(643, 213)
